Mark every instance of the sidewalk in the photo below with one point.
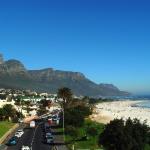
(3, 147)
(58, 138)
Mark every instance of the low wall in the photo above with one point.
(2, 139)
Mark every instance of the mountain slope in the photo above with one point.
(13, 74)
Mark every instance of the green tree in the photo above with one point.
(73, 117)
(44, 102)
(18, 101)
(121, 135)
(9, 111)
(41, 111)
(92, 131)
(84, 110)
(27, 104)
(72, 131)
(2, 114)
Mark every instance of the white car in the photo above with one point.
(19, 133)
(25, 148)
(20, 120)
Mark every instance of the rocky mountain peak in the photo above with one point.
(110, 86)
(14, 66)
(13, 74)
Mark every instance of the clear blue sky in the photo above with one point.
(107, 40)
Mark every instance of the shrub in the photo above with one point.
(72, 131)
(121, 135)
(92, 131)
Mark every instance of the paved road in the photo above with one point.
(38, 141)
(31, 136)
(34, 138)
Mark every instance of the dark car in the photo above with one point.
(12, 141)
(49, 140)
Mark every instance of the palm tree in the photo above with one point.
(66, 99)
(66, 95)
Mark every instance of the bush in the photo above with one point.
(72, 131)
(84, 110)
(74, 117)
(121, 135)
(92, 131)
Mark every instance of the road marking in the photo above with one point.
(34, 134)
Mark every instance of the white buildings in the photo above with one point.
(4, 102)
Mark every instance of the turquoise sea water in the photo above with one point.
(144, 104)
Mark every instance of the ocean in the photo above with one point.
(145, 100)
(144, 104)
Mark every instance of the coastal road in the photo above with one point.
(32, 137)
(24, 140)
(37, 141)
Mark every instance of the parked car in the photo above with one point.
(56, 119)
(48, 134)
(25, 148)
(47, 130)
(12, 141)
(50, 140)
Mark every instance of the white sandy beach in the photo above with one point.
(107, 111)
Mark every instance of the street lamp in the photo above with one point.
(64, 120)
(64, 124)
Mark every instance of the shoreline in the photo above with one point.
(106, 111)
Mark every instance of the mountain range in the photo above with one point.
(13, 74)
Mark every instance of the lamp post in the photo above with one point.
(64, 120)
(63, 124)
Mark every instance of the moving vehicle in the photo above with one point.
(12, 141)
(25, 148)
(20, 130)
(19, 133)
(20, 120)
(32, 124)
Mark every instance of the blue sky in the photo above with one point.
(107, 40)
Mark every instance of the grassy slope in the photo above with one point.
(92, 142)
(4, 127)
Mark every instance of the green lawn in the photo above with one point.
(4, 127)
(92, 142)
(147, 147)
